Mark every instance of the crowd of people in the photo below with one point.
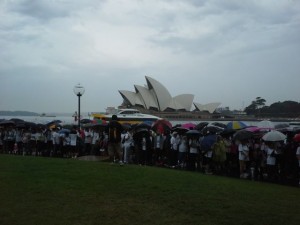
(216, 153)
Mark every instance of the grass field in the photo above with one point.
(41, 191)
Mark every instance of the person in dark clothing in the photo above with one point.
(114, 130)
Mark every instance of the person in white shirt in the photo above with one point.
(271, 161)
(182, 151)
(243, 157)
(174, 149)
(74, 148)
(127, 142)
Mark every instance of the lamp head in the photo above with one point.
(78, 90)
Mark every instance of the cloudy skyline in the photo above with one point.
(221, 51)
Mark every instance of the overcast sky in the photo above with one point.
(228, 51)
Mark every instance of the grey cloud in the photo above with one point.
(41, 10)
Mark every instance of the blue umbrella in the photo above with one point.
(208, 141)
(64, 131)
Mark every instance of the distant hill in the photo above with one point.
(18, 113)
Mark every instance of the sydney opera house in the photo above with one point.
(155, 98)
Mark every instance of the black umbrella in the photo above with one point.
(85, 121)
(201, 125)
(227, 132)
(140, 126)
(140, 132)
(17, 120)
(211, 130)
(6, 123)
(192, 133)
(218, 124)
(243, 135)
(180, 130)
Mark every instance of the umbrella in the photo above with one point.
(7, 123)
(53, 122)
(126, 126)
(201, 125)
(85, 121)
(98, 121)
(218, 124)
(64, 131)
(17, 120)
(227, 132)
(139, 126)
(189, 126)
(180, 130)
(258, 129)
(265, 124)
(161, 125)
(281, 125)
(296, 138)
(27, 125)
(274, 135)
(208, 141)
(236, 125)
(191, 133)
(243, 135)
(140, 132)
(211, 130)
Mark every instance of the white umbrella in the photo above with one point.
(266, 124)
(274, 135)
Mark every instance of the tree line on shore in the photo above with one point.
(286, 109)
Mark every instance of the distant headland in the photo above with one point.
(18, 113)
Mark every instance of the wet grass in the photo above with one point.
(36, 190)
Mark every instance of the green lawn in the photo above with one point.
(41, 191)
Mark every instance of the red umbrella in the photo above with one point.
(161, 125)
(297, 137)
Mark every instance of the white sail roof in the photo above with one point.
(210, 107)
(156, 96)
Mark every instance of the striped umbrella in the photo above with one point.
(99, 121)
(236, 125)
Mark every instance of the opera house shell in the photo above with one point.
(155, 97)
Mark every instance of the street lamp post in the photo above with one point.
(79, 91)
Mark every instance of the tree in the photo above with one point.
(260, 102)
(255, 106)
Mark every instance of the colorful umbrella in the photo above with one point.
(161, 126)
(189, 126)
(297, 138)
(98, 121)
(236, 125)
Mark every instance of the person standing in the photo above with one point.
(193, 153)
(175, 139)
(243, 158)
(114, 130)
(127, 142)
(158, 142)
(182, 151)
(298, 157)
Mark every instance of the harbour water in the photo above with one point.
(70, 120)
